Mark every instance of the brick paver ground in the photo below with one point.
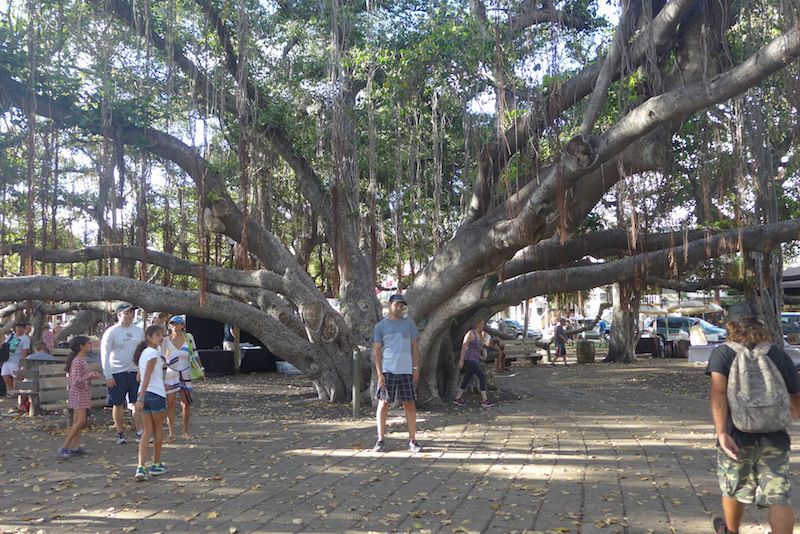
(581, 449)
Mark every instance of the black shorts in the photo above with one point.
(397, 388)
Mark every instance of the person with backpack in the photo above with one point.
(755, 392)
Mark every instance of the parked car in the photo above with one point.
(790, 325)
(676, 324)
(595, 332)
(515, 328)
(790, 322)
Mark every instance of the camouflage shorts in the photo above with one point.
(761, 475)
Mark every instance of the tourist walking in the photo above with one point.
(116, 356)
(396, 355)
(752, 442)
(560, 339)
(151, 400)
(80, 394)
(470, 360)
(178, 349)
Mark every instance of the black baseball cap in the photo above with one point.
(397, 297)
(124, 306)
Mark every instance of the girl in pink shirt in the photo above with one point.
(80, 394)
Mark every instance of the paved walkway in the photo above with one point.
(590, 449)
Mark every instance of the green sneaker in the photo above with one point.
(157, 469)
(141, 474)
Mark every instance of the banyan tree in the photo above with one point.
(247, 161)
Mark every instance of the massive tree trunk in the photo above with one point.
(467, 277)
(624, 330)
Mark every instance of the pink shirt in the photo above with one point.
(49, 339)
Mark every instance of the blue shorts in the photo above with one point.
(154, 403)
(126, 385)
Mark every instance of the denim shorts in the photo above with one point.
(154, 403)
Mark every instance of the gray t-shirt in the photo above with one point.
(395, 337)
(16, 346)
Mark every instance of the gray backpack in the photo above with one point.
(757, 396)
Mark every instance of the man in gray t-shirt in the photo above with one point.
(396, 355)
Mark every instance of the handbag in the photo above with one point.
(195, 365)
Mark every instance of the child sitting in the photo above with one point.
(41, 353)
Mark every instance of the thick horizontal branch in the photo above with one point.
(49, 308)
(267, 301)
(683, 285)
(671, 262)
(275, 336)
(530, 13)
(552, 253)
(234, 277)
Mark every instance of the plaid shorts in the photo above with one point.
(761, 474)
(397, 388)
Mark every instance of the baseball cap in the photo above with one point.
(397, 297)
(740, 311)
(177, 319)
(123, 307)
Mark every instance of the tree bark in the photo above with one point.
(326, 365)
(624, 332)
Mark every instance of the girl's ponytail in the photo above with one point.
(138, 352)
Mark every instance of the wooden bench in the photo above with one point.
(61, 354)
(526, 349)
(46, 385)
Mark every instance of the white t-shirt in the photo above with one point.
(16, 346)
(117, 348)
(156, 384)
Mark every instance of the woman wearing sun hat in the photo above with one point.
(178, 348)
